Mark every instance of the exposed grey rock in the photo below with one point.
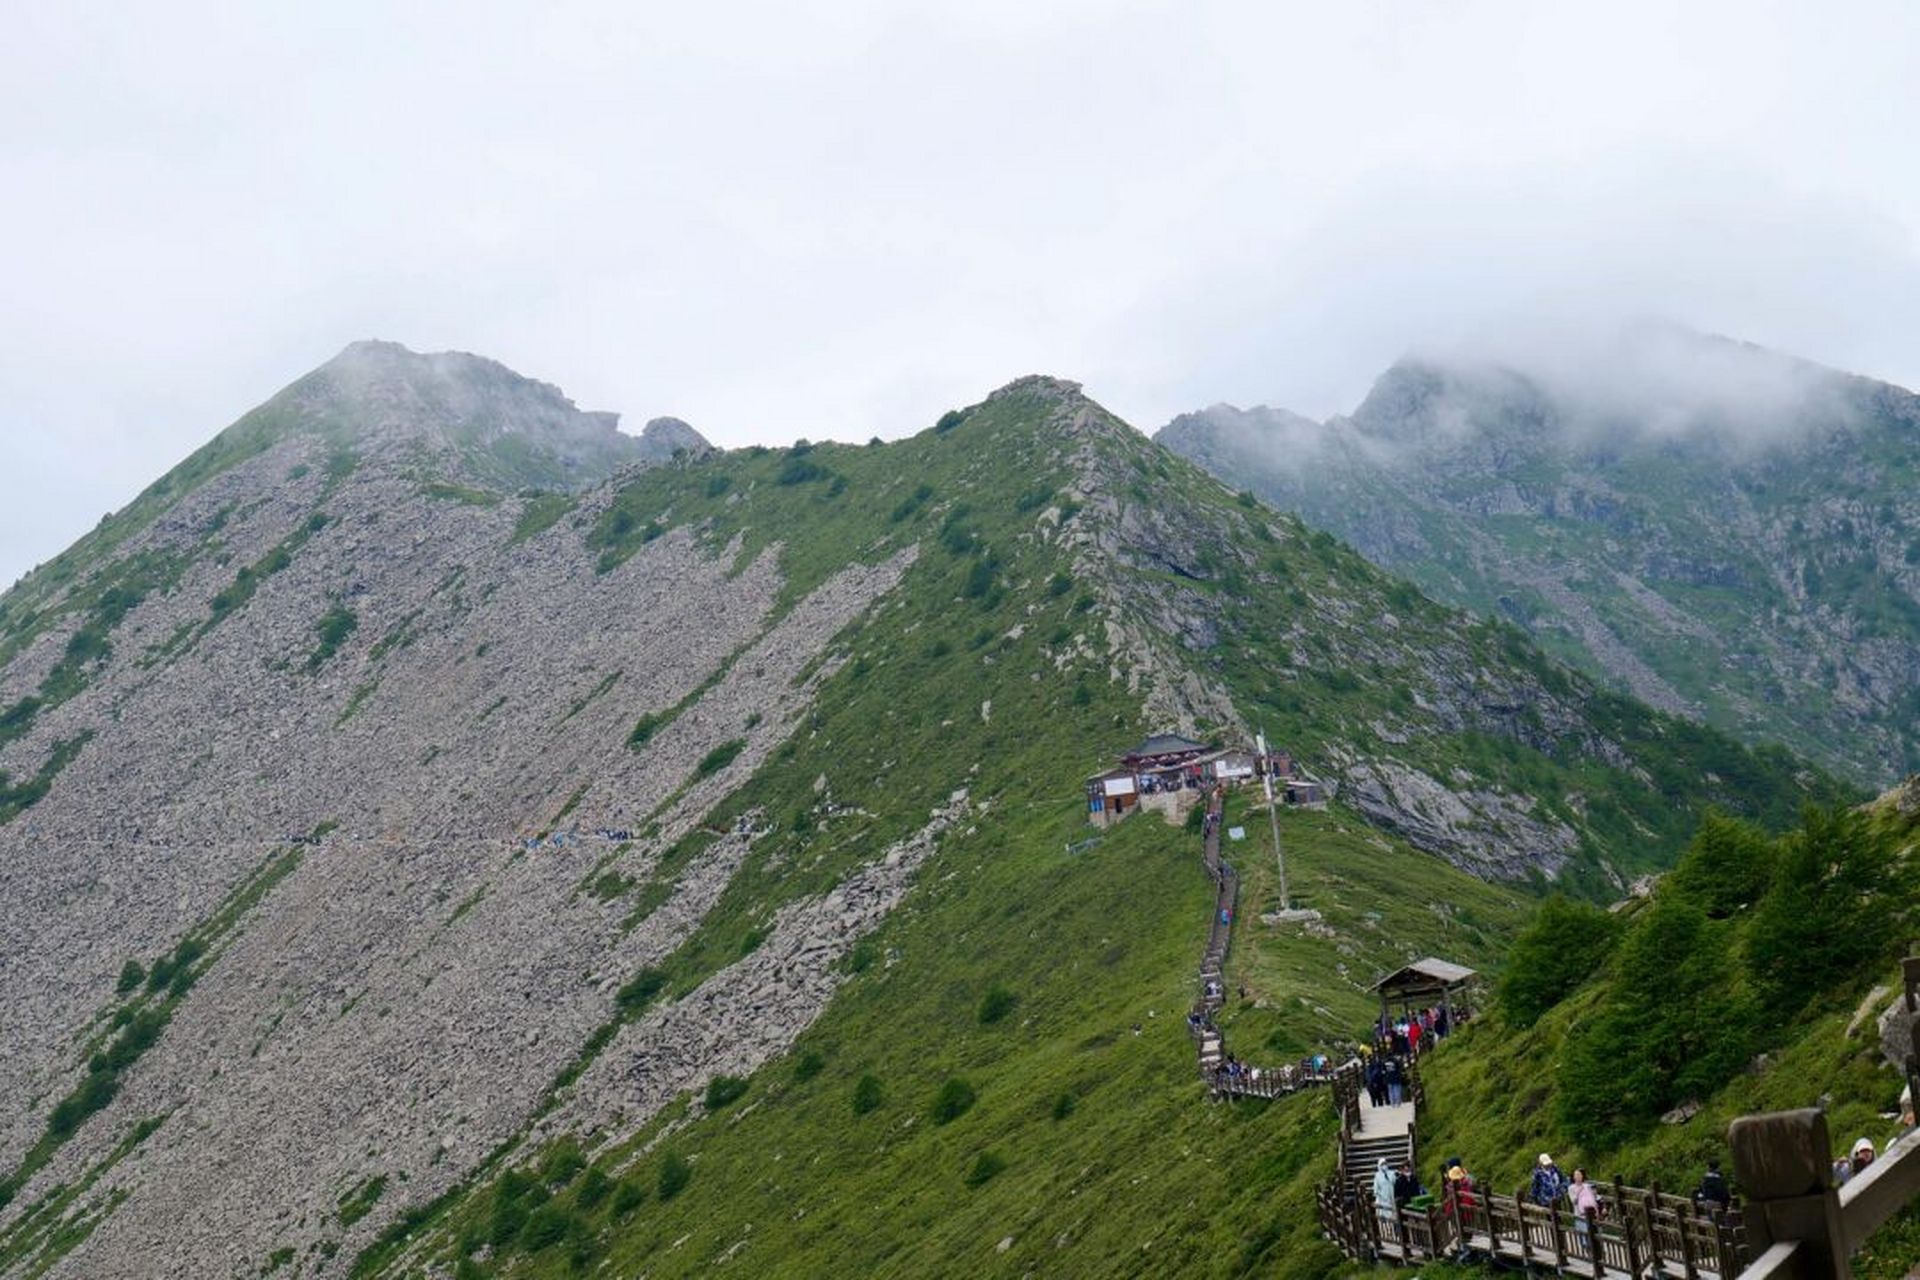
(398, 1004)
(664, 436)
(1492, 834)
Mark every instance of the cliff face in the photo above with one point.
(1720, 531)
(367, 813)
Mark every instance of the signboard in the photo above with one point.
(1118, 786)
(1236, 833)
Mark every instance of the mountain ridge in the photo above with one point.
(1756, 570)
(394, 832)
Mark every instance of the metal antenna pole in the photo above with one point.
(1273, 816)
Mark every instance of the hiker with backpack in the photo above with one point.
(1713, 1192)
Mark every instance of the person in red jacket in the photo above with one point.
(1460, 1189)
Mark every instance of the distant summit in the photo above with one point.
(502, 428)
(1721, 530)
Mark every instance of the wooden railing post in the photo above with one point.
(1781, 1161)
(1724, 1261)
(1687, 1266)
(1650, 1208)
(1520, 1216)
(1625, 1208)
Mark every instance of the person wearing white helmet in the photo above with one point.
(1549, 1184)
(1857, 1159)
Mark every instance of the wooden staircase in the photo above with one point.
(1363, 1156)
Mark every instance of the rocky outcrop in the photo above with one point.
(491, 422)
(1493, 834)
(752, 1010)
(664, 437)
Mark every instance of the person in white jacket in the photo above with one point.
(1383, 1200)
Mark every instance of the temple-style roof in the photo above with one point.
(1164, 744)
(1422, 976)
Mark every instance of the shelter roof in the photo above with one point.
(1164, 744)
(1423, 975)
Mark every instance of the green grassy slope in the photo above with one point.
(1090, 1150)
(1136, 1174)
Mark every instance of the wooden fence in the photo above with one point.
(1641, 1232)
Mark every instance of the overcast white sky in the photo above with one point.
(790, 219)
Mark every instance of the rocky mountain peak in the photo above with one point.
(1698, 518)
(662, 436)
(1038, 384)
(1061, 410)
(484, 421)
(1419, 400)
(383, 387)
(1226, 426)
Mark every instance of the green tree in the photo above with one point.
(1727, 867)
(1832, 910)
(1673, 1027)
(1558, 950)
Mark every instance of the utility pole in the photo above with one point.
(1273, 816)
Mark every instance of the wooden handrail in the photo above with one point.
(1810, 1229)
(1887, 1186)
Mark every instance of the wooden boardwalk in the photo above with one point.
(1644, 1234)
(1641, 1234)
(1252, 1081)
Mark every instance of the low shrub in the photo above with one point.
(719, 758)
(675, 1174)
(985, 1166)
(640, 990)
(724, 1090)
(996, 1004)
(628, 1195)
(955, 1099)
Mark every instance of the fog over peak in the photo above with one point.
(1645, 382)
(1650, 378)
(784, 222)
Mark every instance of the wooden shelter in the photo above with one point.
(1111, 796)
(1423, 983)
